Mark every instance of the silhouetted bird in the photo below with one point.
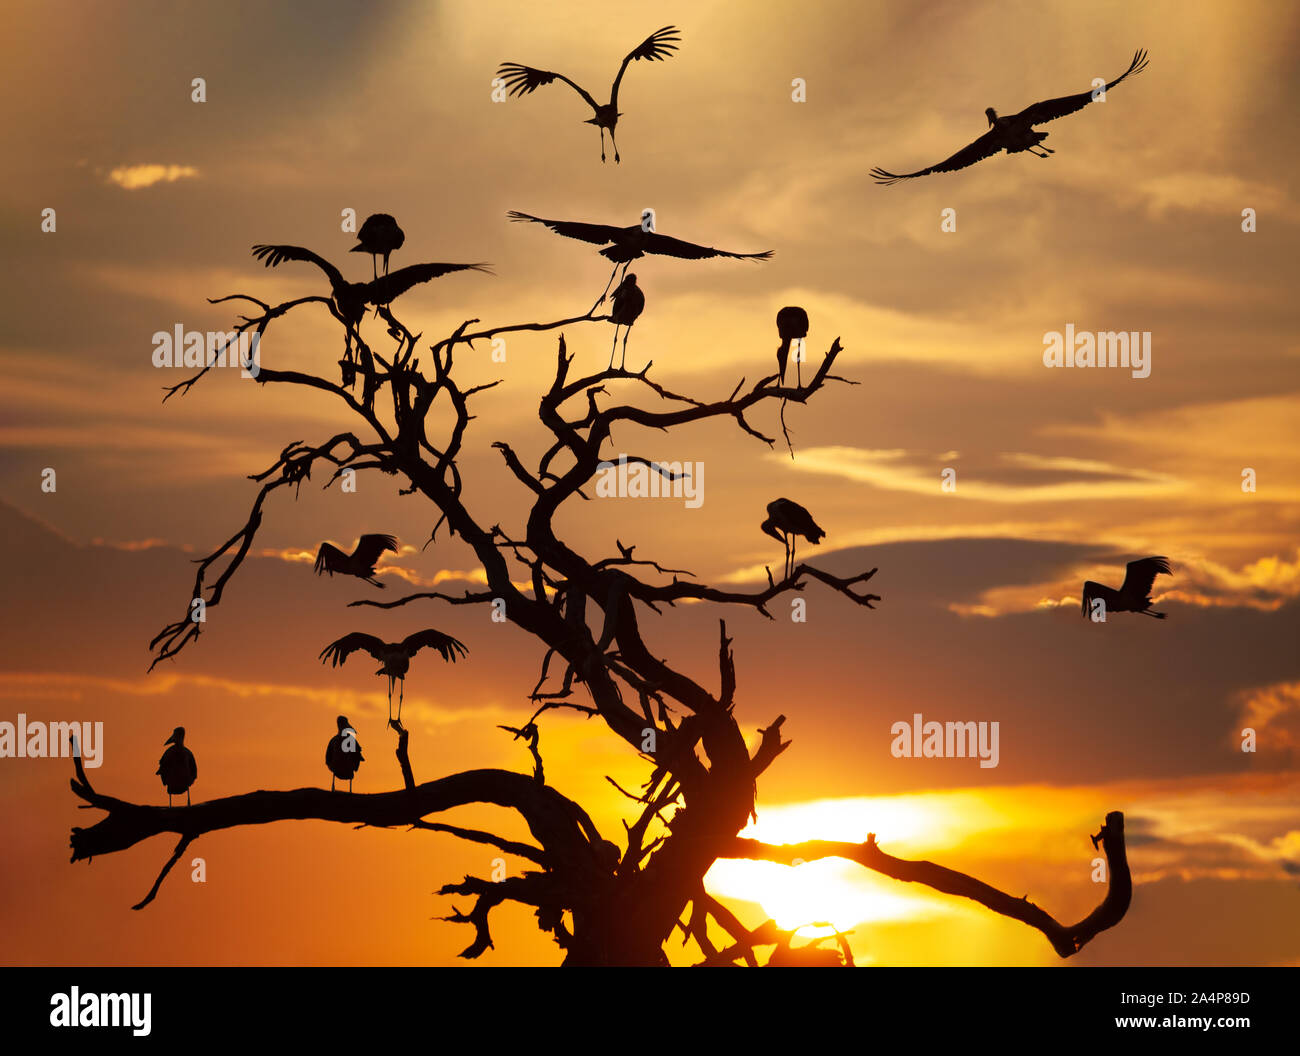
(379, 235)
(394, 657)
(351, 298)
(360, 563)
(785, 521)
(1135, 594)
(792, 325)
(626, 244)
(628, 304)
(343, 754)
(522, 80)
(1016, 133)
(177, 767)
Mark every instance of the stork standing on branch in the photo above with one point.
(1015, 133)
(785, 521)
(177, 767)
(523, 80)
(628, 304)
(343, 754)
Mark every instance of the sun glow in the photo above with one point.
(832, 893)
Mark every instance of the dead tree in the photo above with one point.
(605, 902)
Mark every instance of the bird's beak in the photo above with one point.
(170, 740)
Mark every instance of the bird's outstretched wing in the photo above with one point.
(329, 558)
(984, 147)
(597, 234)
(658, 46)
(1091, 591)
(349, 644)
(369, 547)
(1141, 574)
(387, 288)
(1051, 109)
(524, 80)
(675, 247)
(447, 646)
(274, 256)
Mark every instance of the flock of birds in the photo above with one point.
(787, 522)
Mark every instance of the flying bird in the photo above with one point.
(785, 521)
(1135, 594)
(628, 304)
(394, 657)
(626, 244)
(351, 298)
(523, 80)
(791, 325)
(343, 754)
(1015, 133)
(379, 236)
(177, 767)
(360, 563)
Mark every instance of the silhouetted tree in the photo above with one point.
(604, 903)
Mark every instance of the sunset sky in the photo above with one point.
(1134, 224)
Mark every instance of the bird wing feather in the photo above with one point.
(329, 558)
(274, 256)
(1051, 109)
(340, 650)
(387, 288)
(658, 46)
(447, 646)
(1140, 575)
(369, 547)
(675, 247)
(523, 80)
(985, 147)
(596, 234)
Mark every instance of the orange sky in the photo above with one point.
(1134, 224)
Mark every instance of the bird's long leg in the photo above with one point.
(605, 291)
(614, 144)
(622, 363)
(612, 348)
(390, 700)
(332, 788)
(374, 266)
(169, 799)
(401, 692)
(187, 797)
(602, 142)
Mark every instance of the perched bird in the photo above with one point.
(523, 80)
(1135, 594)
(343, 754)
(792, 325)
(394, 657)
(360, 563)
(1015, 133)
(379, 235)
(785, 521)
(626, 244)
(177, 767)
(628, 304)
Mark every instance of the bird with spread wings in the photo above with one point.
(394, 657)
(1135, 593)
(522, 80)
(1015, 133)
